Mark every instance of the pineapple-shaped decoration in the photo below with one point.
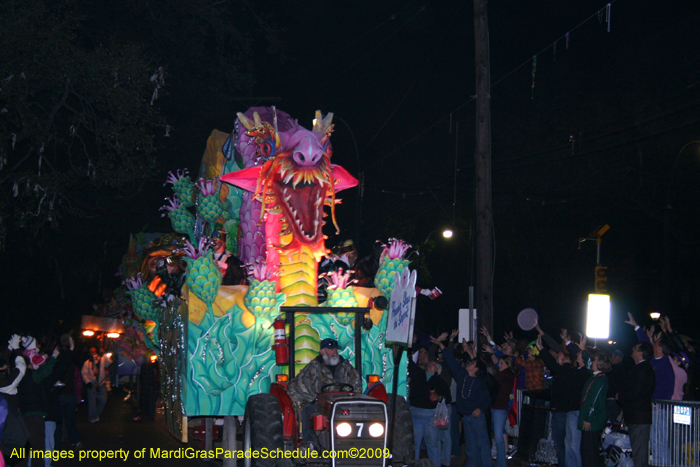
(182, 220)
(209, 205)
(203, 275)
(263, 301)
(392, 262)
(142, 304)
(261, 297)
(340, 294)
(183, 186)
(141, 298)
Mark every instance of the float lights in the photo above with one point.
(153, 358)
(598, 321)
(113, 335)
(88, 333)
(612, 342)
(447, 233)
(655, 315)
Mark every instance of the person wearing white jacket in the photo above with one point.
(10, 377)
(95, 377)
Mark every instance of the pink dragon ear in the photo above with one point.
(244, 178)
(342, 180)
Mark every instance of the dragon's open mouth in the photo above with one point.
(303, 207)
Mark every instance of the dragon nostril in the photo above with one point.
(299, 157)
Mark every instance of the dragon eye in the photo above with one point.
(266, 149)
(328, 148)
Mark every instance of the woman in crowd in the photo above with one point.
(592, 414)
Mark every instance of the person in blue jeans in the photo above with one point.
(426, 389)
(472, 403)
(505, 379)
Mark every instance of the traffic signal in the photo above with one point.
(601, 279)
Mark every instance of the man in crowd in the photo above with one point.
(566, 398)
(635, 398)
(663, 390)
(616, 381)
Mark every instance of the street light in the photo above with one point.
(447, 233)
(598, 323)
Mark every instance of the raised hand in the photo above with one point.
(539, 342)
(650, 332)
(486, 348)
(631, 321)
(442, 337)
(13, 343)
(455, 333)
(437, 342)
(668, 323)
(485, 332)
(582, 343)
(564, 335)
(508, 336)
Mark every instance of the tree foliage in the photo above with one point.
(75, 117)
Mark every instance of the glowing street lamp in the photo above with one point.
(598, 321)
(447, 233)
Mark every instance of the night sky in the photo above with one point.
(601, 139)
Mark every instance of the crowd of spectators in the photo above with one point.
(41, 385)
(586, 389)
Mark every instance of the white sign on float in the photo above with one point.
(402, 309)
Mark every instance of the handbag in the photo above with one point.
(441, 418)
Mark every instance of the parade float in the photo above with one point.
(269, 185)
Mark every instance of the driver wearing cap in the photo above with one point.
(327, 368)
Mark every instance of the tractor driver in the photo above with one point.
(327, 368)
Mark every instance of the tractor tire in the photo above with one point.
(403, 447)
(262, 428)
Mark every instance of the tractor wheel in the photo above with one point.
(403, 449)
(262, 428)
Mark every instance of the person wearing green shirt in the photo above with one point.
(592, 414)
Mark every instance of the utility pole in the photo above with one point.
(482, 159)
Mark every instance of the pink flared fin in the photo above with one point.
(343, 179)
(244, 178)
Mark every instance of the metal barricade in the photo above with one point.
(675, 434)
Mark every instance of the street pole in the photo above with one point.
(482, 158)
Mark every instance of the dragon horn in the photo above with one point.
(322, 124)
(258, 122)
(245, 121)
(318, 121)
(327, 121)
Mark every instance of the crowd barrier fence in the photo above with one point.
(676, 434)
